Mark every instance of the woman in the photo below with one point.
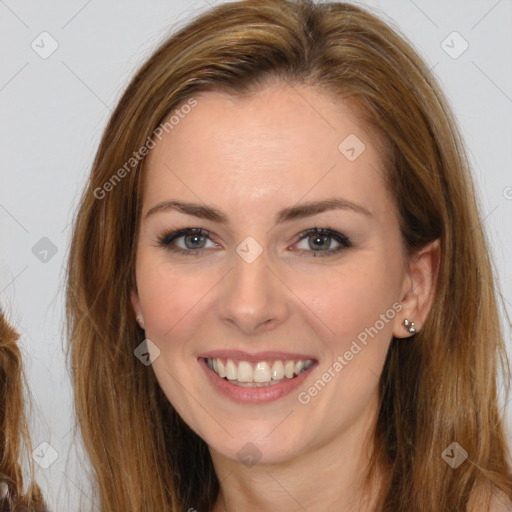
(13, 428)
(219, 363)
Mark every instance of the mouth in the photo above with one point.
(260, 373)
(256, 379)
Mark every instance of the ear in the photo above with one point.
(136, 308)
(418, 288)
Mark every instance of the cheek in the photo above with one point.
(173, 301)
(357, 307)
(171, 297)
(349, 300)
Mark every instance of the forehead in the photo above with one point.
(279, 144)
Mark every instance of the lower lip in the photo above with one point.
(254, 395)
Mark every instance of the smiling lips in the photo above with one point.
(256, 378)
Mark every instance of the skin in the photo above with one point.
(251, 158)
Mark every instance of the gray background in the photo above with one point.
(54, 109)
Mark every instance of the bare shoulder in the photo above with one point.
(499, 503)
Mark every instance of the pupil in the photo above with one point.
(320, 237)
(194, 238)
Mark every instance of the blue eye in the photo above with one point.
(317, 238)
(194, 241)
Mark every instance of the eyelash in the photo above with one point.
(166, 239)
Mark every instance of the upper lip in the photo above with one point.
(256, 356)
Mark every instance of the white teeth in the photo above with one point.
(288, 369)
(277, 370)
(262, 373)
(230, 370)
(299, 365)
(244, 372)
(255, 384)
(220, 368)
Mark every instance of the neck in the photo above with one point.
(321, 478)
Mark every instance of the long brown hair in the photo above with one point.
(438, 388)
(14, 436)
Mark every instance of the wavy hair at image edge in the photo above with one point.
(14, 435)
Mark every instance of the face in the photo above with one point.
(251, 285)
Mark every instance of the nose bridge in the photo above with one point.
(252, 295)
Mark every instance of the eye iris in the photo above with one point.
(194, 237)
(317, 237)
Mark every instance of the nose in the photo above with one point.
(253, 298)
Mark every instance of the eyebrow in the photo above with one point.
(298, 211)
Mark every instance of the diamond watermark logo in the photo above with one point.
(351, 147)
(147, 352)
(454, 455)
(454, 45)
(249, 249)
(44, 45)
(45, 455)
(44, 250)
(249, 454)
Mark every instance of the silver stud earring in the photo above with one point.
(409, 326)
